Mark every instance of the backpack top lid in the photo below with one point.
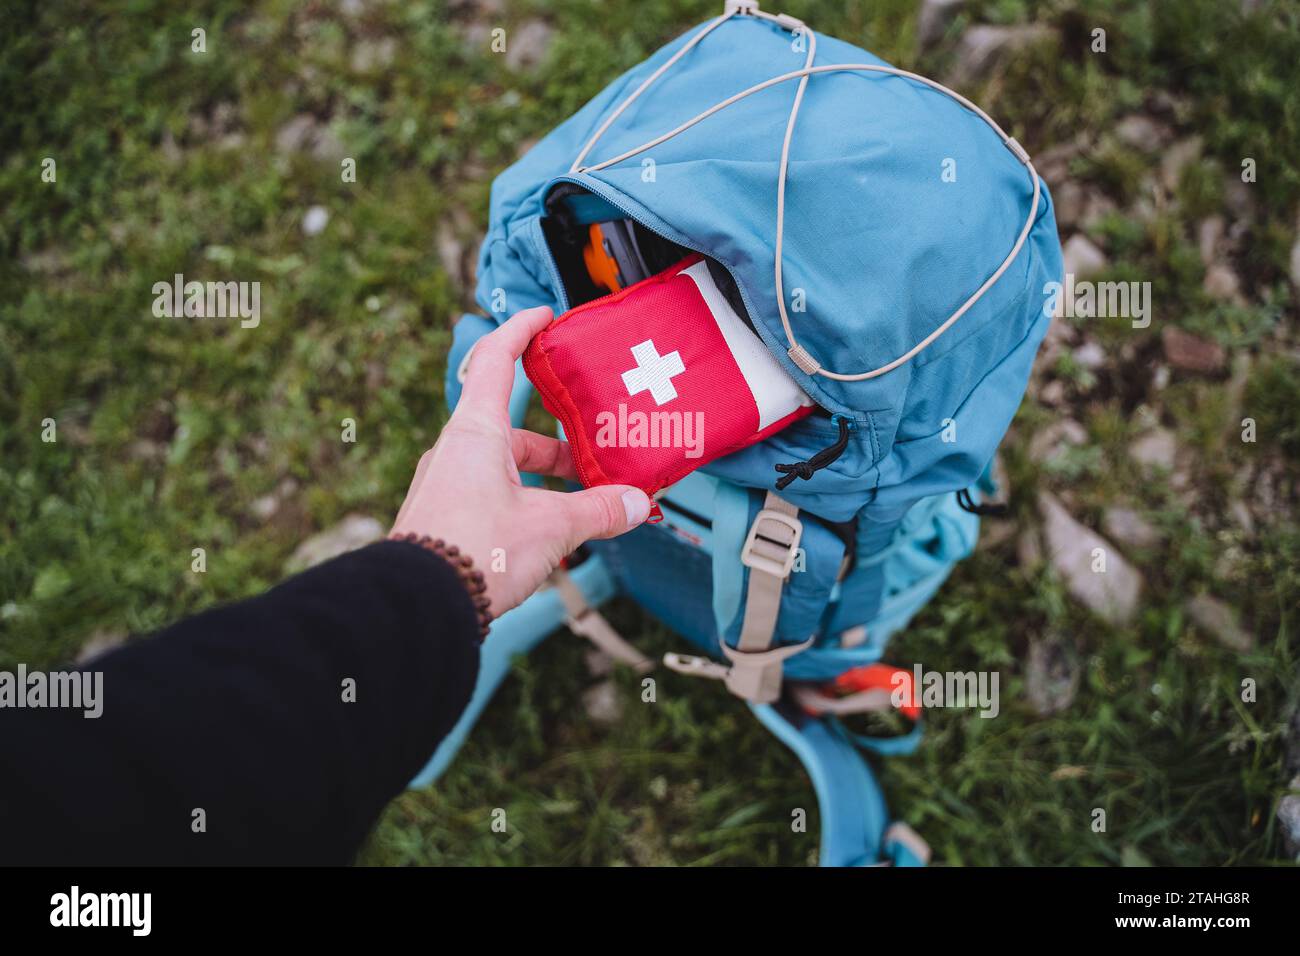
(900, 203)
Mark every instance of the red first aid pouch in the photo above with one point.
(658, 379)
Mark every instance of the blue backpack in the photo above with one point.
(894, 249)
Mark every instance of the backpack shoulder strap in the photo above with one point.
(855, 828)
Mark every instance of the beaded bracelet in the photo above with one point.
(463, 565)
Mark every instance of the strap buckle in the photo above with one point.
(742, 7)
(772, 543)
(693, 666)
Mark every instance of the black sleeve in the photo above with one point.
(245, 714)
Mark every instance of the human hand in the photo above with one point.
(467, 490)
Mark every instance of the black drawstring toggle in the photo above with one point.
(967, 504)
(805, 469)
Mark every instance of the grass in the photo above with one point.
(173, 161)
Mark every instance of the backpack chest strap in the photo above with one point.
(769, 553)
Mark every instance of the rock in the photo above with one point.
(1050, 442)
(267, 506)
(1160, 378)
(1176, 159)
(1075, 550)
(1238, 198)
(100, 642)
(354, 531)
(1061, 334)
(297, 134)
(1220, 622)
(933, 20)
(264, 507)
(327, 147)
(1053, 163)
(1128, 527)
(981, 46)
(1191, 353)
(1051, 675)
(527, 44)
(1053, 393)
(1143, 133)
(451, 251)
(1082, 258)
(315, 220)
(1288, 820)
(1068, 201)
(1090, 355)
(370, 55)
(1156, 449)
(602, 703)
(599, 664)
(146, 450)
(1221, 283)
(1291, 750)
(1099, 206)
(304, 134)
(1295, 262)
(1209, 239)
(1242, 516)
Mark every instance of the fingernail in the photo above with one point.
(637, 506)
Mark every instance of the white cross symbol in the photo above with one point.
(653, 372)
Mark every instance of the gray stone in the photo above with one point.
(981, 46)
(371, 55)
(451, 251)
(1209, 239)
(933, 20)
(602, 703)
(1143, 133)
(1082, 257)
(1221, 283)
(1128, 527)
(1051, 675)
(1158, 448)
(1051, 441)
(297, 134)
(1098, 208)
(1239, 198)
(1176, 159)
(599, 664)
(527, 44)
(315, 220)
(1053, 393)
(1090, 355)
(1068, 200)
(1220, 622)
(354, 531)
(1288, 820)
(1074, 550)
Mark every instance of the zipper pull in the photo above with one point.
(805, 469)
(656, 515)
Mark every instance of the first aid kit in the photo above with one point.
(659, 378)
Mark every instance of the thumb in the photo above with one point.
(604, 512)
